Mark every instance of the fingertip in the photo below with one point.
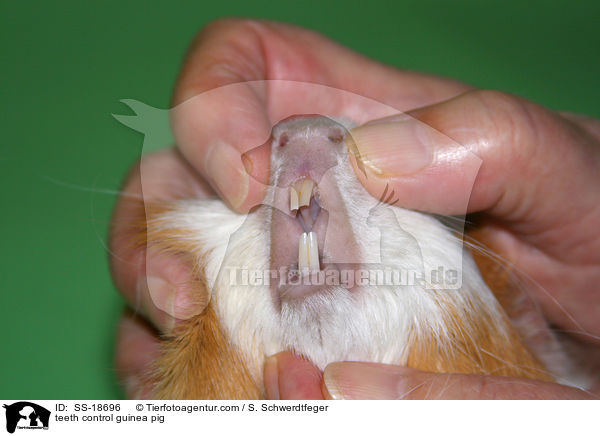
(371, 381)
(226, 172)
(214, 129)
(137, 347)
(168, 291)
(331, 382)
(364, 381)
(424, 168)
(393, 148)
(271, 378)
(136, 338)
(292, 377)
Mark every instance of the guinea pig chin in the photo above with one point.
(311, 236)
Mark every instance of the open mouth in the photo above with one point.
(297, 243)
(318, 224)
(305, 204)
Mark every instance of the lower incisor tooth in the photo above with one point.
(313, 252)
(308, 253)
(303, 259)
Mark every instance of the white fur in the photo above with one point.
(375, 324)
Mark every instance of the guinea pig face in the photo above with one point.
(336, 267)
(326, 270)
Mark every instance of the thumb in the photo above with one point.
(288, 376)
(483, 150)
(370, 381)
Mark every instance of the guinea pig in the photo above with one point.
(324, 269)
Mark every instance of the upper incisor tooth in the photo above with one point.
(293, 198)
(305, 192)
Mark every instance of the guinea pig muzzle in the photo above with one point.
(312, 239)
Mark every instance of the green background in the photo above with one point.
(66, 65)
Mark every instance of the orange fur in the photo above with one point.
(477, 348)
(198, 362)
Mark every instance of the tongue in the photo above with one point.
(308, 215)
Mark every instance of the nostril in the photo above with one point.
(336, 139)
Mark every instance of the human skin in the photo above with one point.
(537, 197)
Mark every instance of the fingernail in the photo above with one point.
(357, 381)
(162, 294)
(225, 169)
(392, 148)
(180, 302)
(271, 378)
(248, 164)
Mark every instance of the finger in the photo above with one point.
(229, 109)
(526, 154)
(290, 377)
(534, 171)
(370, 381)
(587, 123)
(168, 291)
(137, 347)
(159, 286)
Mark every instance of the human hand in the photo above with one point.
(290, 377)
(230, 52)
(537, 195)
(212, 132)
